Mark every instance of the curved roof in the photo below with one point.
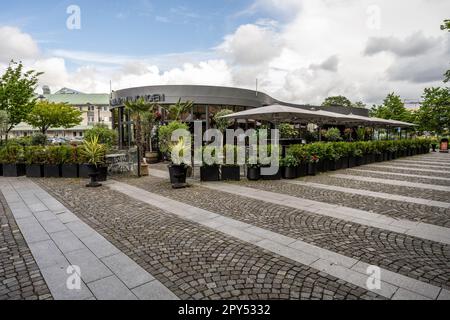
(213, 95)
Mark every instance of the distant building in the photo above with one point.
(95, 109)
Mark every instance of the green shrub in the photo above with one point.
(333, 135)
(289, 161)
(38, 139)
(287, 131)
(106, 136)
(165, 135)
(34, 155)
(12, 153)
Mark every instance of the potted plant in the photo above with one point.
(70, 160)
(11, 156)
(52, 163)
(312, 165)
(230, 169)
(266, 162)
(290, 167)
(210, 171)
(178, 168)
(253, 169)
(301, 155)
(34, 159)
(94, 154)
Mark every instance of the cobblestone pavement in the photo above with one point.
(195, 262)
(439, 173)
(393, 208)
(20, 278)
(420, 259)
(377, 187)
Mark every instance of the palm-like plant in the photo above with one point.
(176, 110)
(137, 109)
(93, 152)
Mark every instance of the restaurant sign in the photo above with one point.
(147, 98)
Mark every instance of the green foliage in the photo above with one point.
(69, 154)
(93, 152)
(289, 161)
(106, 136)
(361, 134)
(165, 135)
(392, 108)
(333, 135)
(287, 131)
(17, 93)
(34, 155)
(235, 150)
(223, 123)
(12, 153)
(178, 109)
(38, 139)
(359, 104)
(4, 122)
(46, 115)
(434, 113)
(54, 155)
(340, 101)
(180, 150)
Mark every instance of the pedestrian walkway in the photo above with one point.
(66, 248)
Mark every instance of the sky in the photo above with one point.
(301, 51)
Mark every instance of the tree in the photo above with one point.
(137, 109)
(46, 115)
(393, 108)
(223, 123)
(359, 104)
(446, 26)
(4, 123)
(434, 113)
(17, 93)
(337, 101)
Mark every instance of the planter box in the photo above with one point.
(379, 158)
(35, 171)
(370, 158)
(1, 170)
(334, 165)
(344, 163)
(52, 171)
(210, 173)
(359, 161)
(231, 173)
(312, 169)
(302, 170)
(14, 170)
(69, 171)
(290, 172)
(351, 162)
(277, 176)
(253, 174)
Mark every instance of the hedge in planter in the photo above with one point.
(53, 160)
(11, 156)
(34, 158)
(231, 171)
(289, 167)
(70, 160)
(210, 169)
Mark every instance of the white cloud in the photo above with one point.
(16, 44)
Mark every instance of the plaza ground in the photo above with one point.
(310, 238)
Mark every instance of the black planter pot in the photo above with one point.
(320, 166)
(93, 175)
(333, 165)
(312, 169)
(1, 170)
(35, 170)
(370, 158)
(209, 173)
(302, 170)
(344, 163)
(351, 162)
(276, 176)
(84, 170)
(69, 171)
(379, 157)
(253, 173)
(14, 170)
(434, 146)
(52, 171)
(102, 174)
(394, 155)
(290, 172)
(231, 173)
(178, 175)
(325, 165)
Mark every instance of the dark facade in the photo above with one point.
(208, 100)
